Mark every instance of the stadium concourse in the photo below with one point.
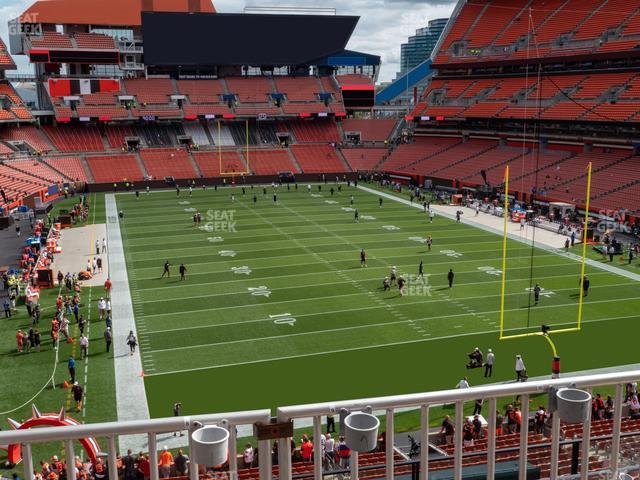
(189, 230)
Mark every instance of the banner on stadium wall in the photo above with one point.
(63, 87)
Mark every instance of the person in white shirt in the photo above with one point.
(431, 215)
(247, 456)
(84, 346)
(102, 306)
(463, 383)
(521, 371)
(104, 244)
(488, 364)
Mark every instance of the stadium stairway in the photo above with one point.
(347, 165)
(195, 165)
(141, 165)
(294, 159)
(62, 175)
(87, 169)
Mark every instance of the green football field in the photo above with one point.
(276, 308)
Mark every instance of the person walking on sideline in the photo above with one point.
(71, 366)
(488, 364)
(166, 270)
(183, 271)
(431, 215)
(450, 277)
(132, 342)
(380, 201)
(421, 270)
(356, 216)
(84, 346)
(363, 258)
(108, 338)
(78, 394)
(521, 371)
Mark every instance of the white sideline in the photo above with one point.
(545, 244)
(131, 398)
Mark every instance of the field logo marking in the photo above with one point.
(451, 253)
(331, 202)
(348, 209)
(190, 210)
(418, 239)
(390, 228)
(215, 239)
(490, 271)
(221, 221)
(283, 319)
(417, 286)
(227, 253)
(244, 270)
(184, 202)
(207, 227)
(367, 217)
(543, 292)
(260, 291)
(315, 195)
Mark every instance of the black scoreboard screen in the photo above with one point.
(358, 96)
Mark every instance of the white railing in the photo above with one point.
(387, 405)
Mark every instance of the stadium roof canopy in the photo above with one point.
(244, 39)
(106, 12)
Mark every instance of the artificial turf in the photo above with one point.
(210, 342)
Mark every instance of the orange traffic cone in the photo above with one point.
(65, 384)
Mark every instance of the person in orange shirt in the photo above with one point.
(166, 460)
(107, 287)
(19, 340)
(306, 448)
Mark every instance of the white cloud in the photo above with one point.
(383, 25)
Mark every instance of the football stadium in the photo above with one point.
(230, 251)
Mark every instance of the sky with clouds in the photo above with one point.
(383, 25)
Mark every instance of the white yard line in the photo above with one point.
(368, 347)
(543, 245)
(131, 398)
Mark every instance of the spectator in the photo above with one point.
(499, 423)
(182, 464)
(144, 467)
(448, 429)
(306, 449)
(540, 419)
(344, 453)
(248, 455)
(467, 433)
(512, 423)
(633, 403)
(478, 432)
(129, 464)
(598, 407)
(166, 460)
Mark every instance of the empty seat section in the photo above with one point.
(29, 134)
(250, 89)
(364, 158)
(318, 159)
(168, 162)
(610, 16)
(201, 91)
(94, 41)
(117, 135)
(75, 138)
(37, 169)
(498, 14)
(298, 89)
(221, 135)
(421, 148)
(197, 133)
(214, 164)
(270, 162)
(308, 131)
(566, 19)
(374, 130)
(70, 167)
(522, 24)
(152, 90)
(115, 168)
